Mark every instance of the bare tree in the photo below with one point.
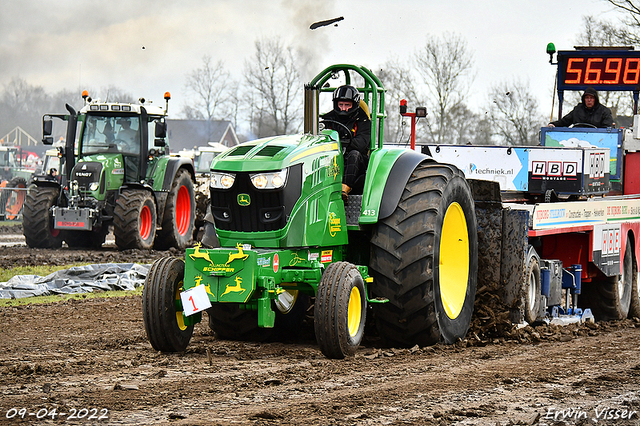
(483, 131)
(66, 96)
(276, 88)
(22, 104)
(399, 83)
(514, 113)
(210, 85)
(115, 94)
(462, 124)
(445, 64)
(629, 31)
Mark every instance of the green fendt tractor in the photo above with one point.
(406, 243)
(117, 172)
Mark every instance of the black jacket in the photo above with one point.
(360, 126)
(599, 115)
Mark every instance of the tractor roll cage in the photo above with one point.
(373, 93)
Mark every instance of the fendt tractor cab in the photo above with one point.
(407, 244)
(117, 171)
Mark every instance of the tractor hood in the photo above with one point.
(275, 153)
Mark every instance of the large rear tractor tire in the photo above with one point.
(179, 217)
(424, 259)
(340, 310)
(610, 299)
(134, 220)
(163, 320)
(13, 197)
(37, 220)
(532, 292)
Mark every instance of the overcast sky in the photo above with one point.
(147, 47)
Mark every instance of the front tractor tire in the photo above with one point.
(340, 311)
(424, 259)
(179, 217)
(37, 220)
(134, 220)
(163, 319)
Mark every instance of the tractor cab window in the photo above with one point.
(8, 158)
(111, 134)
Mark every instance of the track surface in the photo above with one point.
(94, 354)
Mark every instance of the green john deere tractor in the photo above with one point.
(120, 174)
(406, 244)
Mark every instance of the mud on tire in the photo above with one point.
(134, 220)
(163, 323)
(37, 222)
(610, 298)
(424, 260)
(179, 216)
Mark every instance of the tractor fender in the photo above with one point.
(398, 177)
(43, 181)
(173, 165)
(393, 167)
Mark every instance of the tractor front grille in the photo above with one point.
(244, 208)
(86, 173)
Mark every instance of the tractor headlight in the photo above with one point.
(269, 180)
(93, 186)
(222, 180)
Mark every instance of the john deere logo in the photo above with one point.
(244, 199)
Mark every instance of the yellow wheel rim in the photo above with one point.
(179, 316)
(454, 260)
(355, 312)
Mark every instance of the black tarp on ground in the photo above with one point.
(77, 279)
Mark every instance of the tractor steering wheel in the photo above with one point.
(129, 146)
(344, 127)
(583, 125)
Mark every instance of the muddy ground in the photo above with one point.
(91, 358)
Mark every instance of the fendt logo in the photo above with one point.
(554, 169)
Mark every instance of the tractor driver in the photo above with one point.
(355, 121)
(128, 135)
(589, 111)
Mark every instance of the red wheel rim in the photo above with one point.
(183, 210)
(14, 206)
(145, 222)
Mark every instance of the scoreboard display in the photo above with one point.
(610, 70)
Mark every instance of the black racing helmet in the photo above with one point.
(346, 93)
